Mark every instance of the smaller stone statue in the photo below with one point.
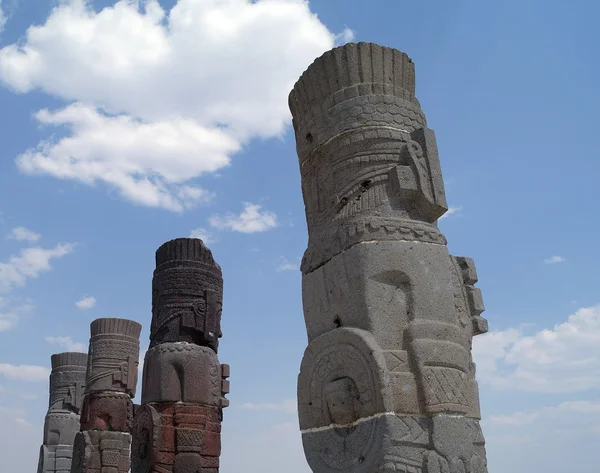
(103, 445)
(67, 382)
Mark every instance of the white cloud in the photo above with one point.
(29, 264)
(2, 17)
(554, 260)
(25, 372)
(251, 220)
(451, 211)
(86, 303)
(23, 234)
(289, 406)
(549, 438)
(148, 162)
(161, 98)
(286, 265)
(346, 36)
(203, 234)
(68, 344)
(10, 315)
(520, 418)
(559, 360)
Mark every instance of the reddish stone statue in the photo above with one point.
(177, 429)
(103, 445)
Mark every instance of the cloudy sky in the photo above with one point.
(125, 124)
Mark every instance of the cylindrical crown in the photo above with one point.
(59, 360)
(353, 86)
(350, 65)
(185, 249)
(123, 327)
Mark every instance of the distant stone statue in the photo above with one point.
(387, 382)
(178, 426)
(104, 443)
(67, 383)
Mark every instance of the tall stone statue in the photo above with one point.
(103, 445)
(387, 382)
(177, 428)
(67, 382)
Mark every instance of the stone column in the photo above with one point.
(177, 428)
(103, 445)
(387, 382)
(67, 382)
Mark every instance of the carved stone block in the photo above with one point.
(178, 436)
(113, 356)
(182, 372)
(187, 295)
(107, 411)
(60, 428)
(387, 382)
(97, 451)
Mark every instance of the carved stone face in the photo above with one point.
(343, 401)
(190, 314)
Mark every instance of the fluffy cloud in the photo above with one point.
(161, 98)
(10, 315)
(203, 234)
(549, 438)
(29, 264)
(86, 303)
(286, 265)
(554, 260)
(563, 359)
(251, 220)
(25, 372)
(68, 344)
(2, 17)
(23, 234)
(148, 162)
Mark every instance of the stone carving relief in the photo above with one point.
(390, 314)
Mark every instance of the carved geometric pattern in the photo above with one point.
(189, 440)
(396, 464)
(445, 385)
(111, 458)
(396, 360)
(414, 433)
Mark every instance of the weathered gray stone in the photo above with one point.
(97, 451)
(67, 382)
(387, 382)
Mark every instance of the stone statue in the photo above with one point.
(67, 382)
(387, 382)
(103, 445)
(177, 429)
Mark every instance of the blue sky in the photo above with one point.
(124, 125)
